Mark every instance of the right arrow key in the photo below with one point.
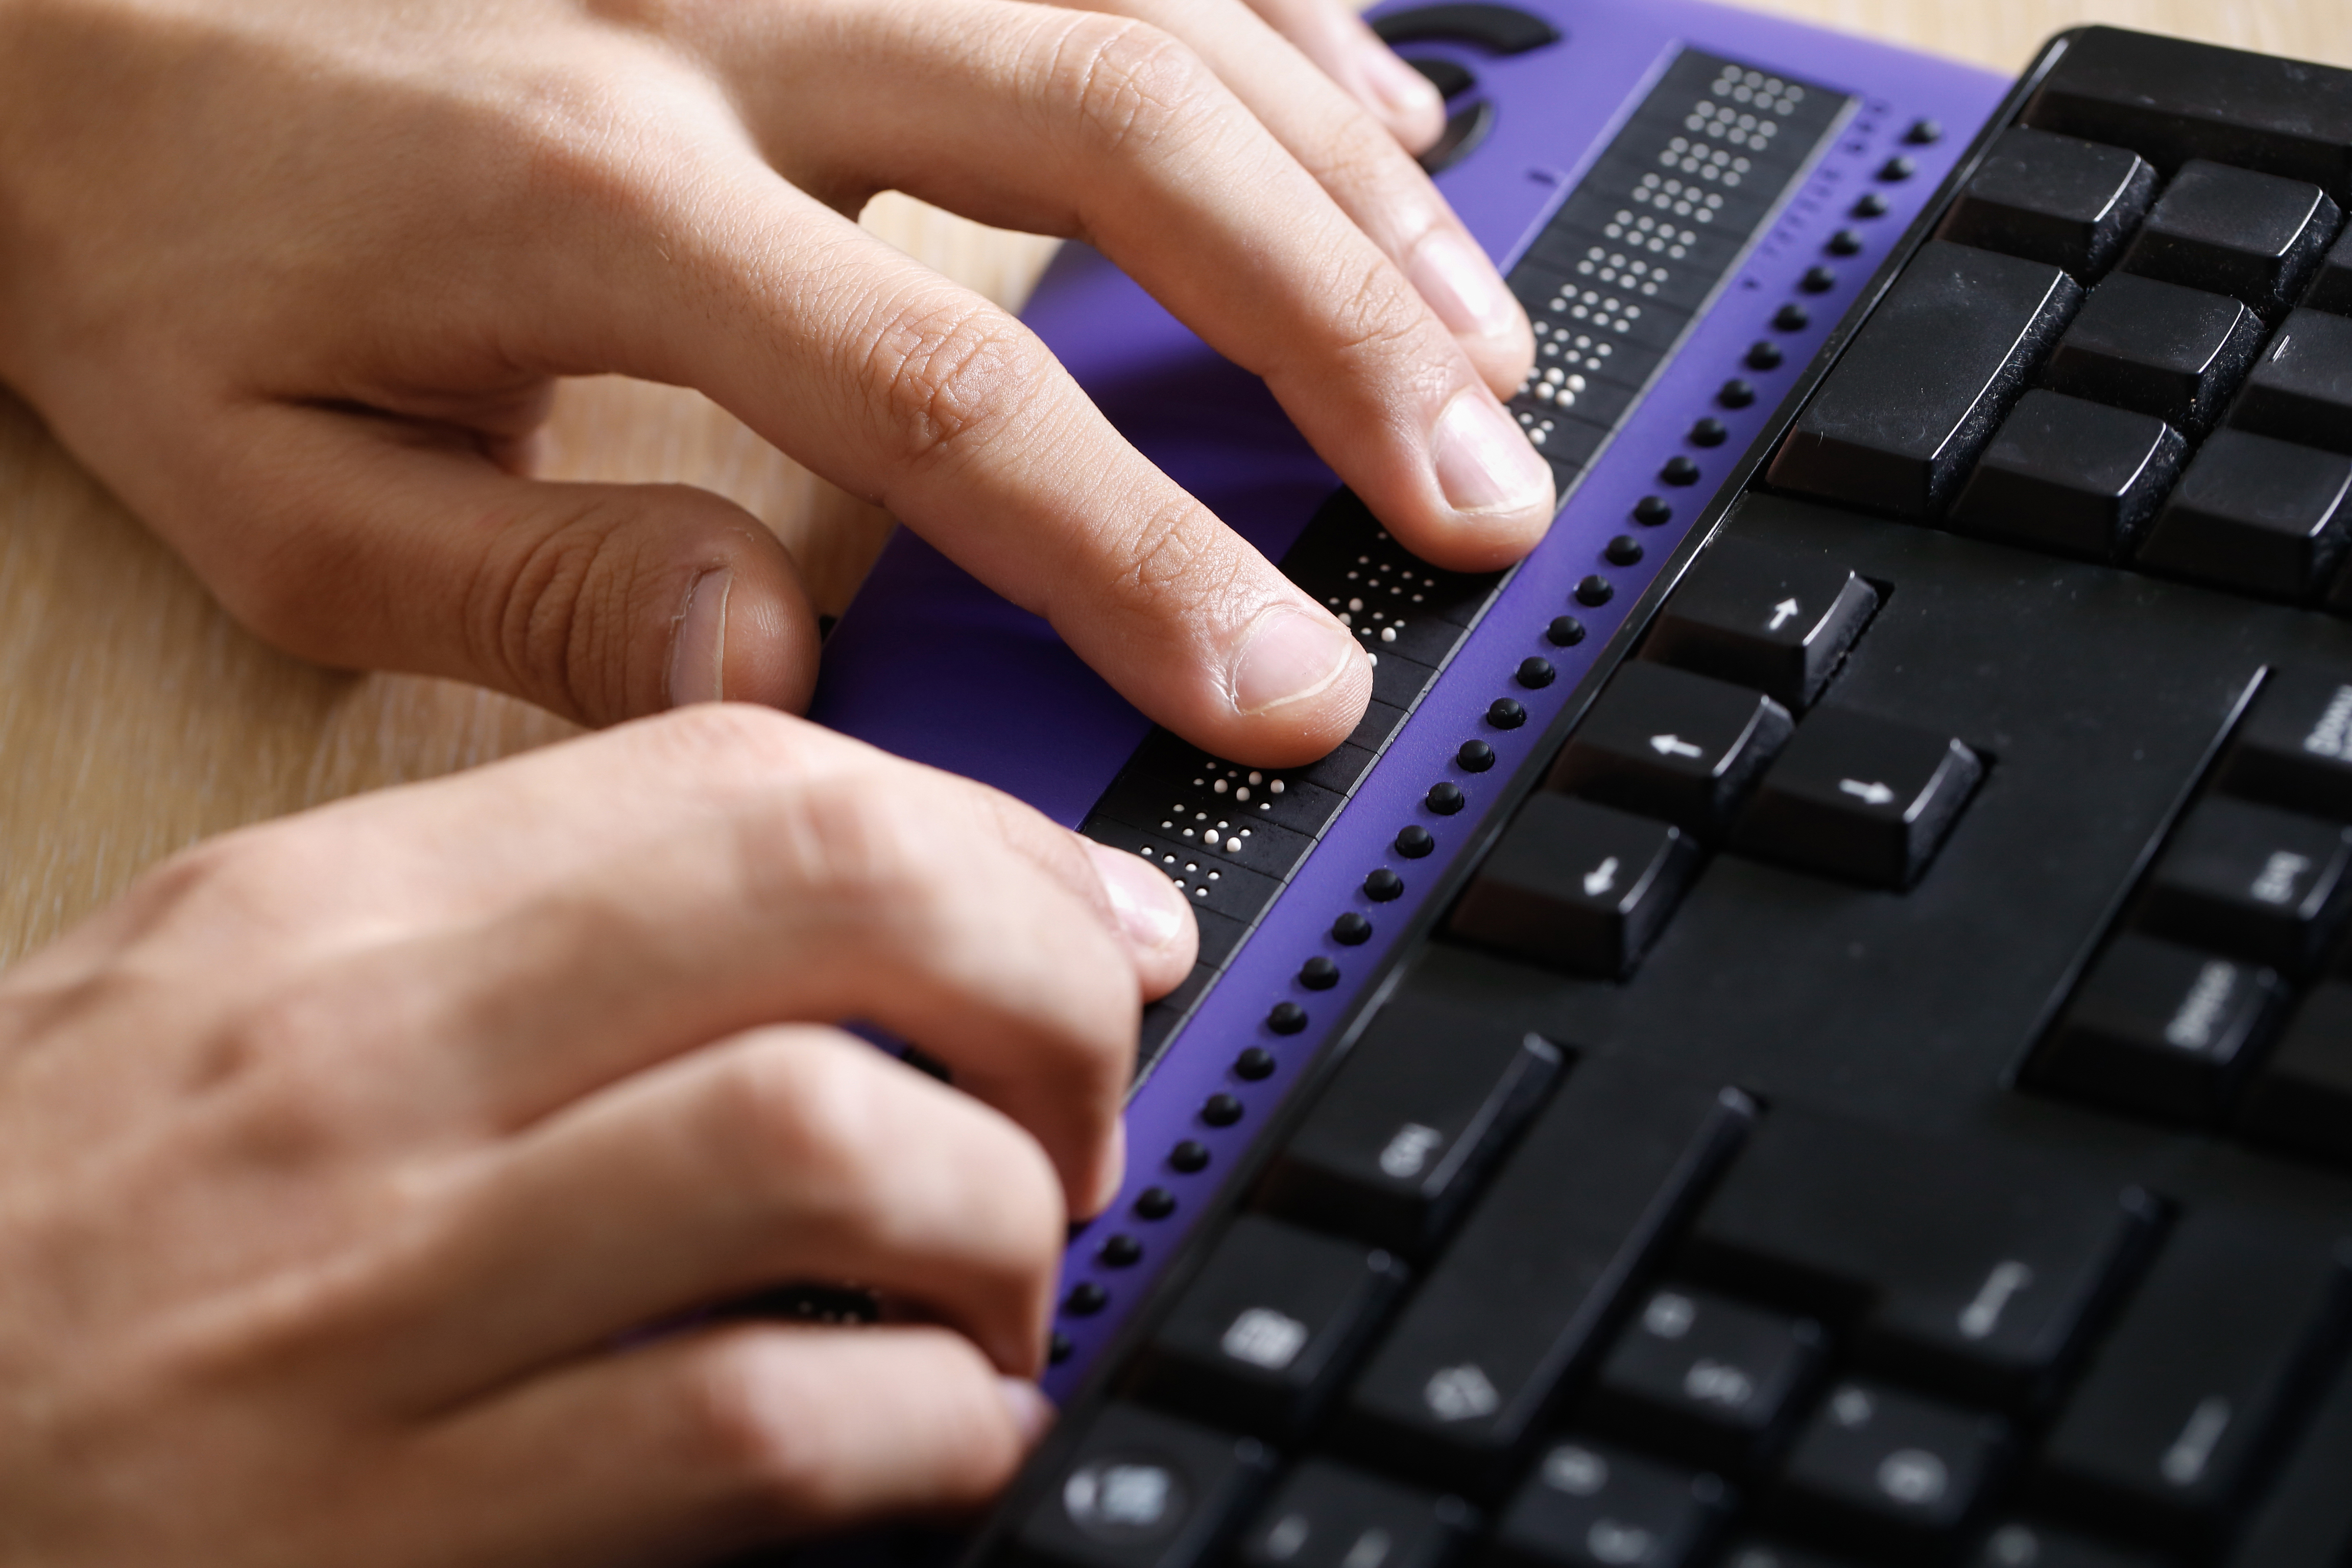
(1868, 800)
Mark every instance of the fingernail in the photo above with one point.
(1289, 656)
(1032, 1413)
(697, 640)
(1149, 909)
(1482, 460)
(1401, 91)
(1461, 285)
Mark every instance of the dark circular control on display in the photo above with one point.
(1413, 840)
(1445, 798)
(1475, 756)
(1622, 550)
(1679, 470)
(1595, 592)
(1088, 1298)
(1764, 356)
(1536, 673)
(1190, 1157)
(1652, 510)
(1122, 1252)
(1710, 432)
(1845, 242)
(1224, 1110)
(1158, 1202)
(1565, 631)
(1924, 133)
(1352, 930)
(1792, 318)
(1381, 887)
(1317, 974)
(1503, 713)
(1257, 1062)
(1059, 1349)
(1287, 1018)
(1818, 280)
(1871, 205)
(1737, 394)
(1897, 167)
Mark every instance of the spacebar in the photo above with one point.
(1597, 1186)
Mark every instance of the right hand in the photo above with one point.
(362, 1174)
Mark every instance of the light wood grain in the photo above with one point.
(136, 718)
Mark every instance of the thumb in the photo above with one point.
(358, 545)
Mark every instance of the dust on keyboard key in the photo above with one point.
(2055, 199)
(2232, 231)
(2157, 349)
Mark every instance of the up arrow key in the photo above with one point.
(1674, 746)
(1870, 794)
(1782, 613)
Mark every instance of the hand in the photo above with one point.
(295, 276)
(346, 1163)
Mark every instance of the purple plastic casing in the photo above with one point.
(931, 666)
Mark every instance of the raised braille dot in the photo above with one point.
(1763, 355)
(1317, 974)
(1222, 1110)
(1287, 1018)
(1059, 1349)
(1190, 1157)
(1897, 169)
(1086, 1299)
(1792, 318)
(1352, 930)
(1445, 798)
(1710, 432)
(1503, 712)
(1845, 242)
(1622, 550)
(1595, 592)
(1871, 205)
(1818, 280)
(1679, 470)
(1565, 631)
(1737, 394)
(1383, 886)
(1157, 1202)
(1413, 840)
(1122, 1252)
(1924, 133)
(1474, 756)
(1650, 511)
(1536, 673)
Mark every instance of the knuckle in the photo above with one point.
(1125, 85)
(798, 1122)
(1375, 315)
(947, 369)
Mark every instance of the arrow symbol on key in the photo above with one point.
(1601, 878)
(1674, 746)
(1870, 794)
(1781, 613)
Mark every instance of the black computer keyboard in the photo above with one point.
(1884, 1096)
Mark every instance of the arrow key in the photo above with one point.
(1577, 886)
(1778, 622)
(1860, 798)
(1670, 744)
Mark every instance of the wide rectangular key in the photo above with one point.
(1903, 414)
(2157, 349)
(1593, 1505)
(1765, 619)
(2257, 238)
(1968, 1269)
(2161, 1030)
(1411, 1120)
(2054, 199)
(1707, 1378)
(1273, 1316)
(2305, 1517)
(2257, 515)
(1139, 1490)
(1577, 887)
(1521, 1296)
(1878, 1470)
(2071, 475)
(2252, 881)
(1663, 742)
(2300, 388)
(2173, 1422)
(2172, 100)
(1854, 796)
(2293, 748)
(2302, 1102)
(1329, 1515)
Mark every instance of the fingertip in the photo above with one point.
(742, 633)
(1154, 921)
(1399, 97)
(1033, 1414)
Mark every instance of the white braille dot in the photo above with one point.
(1188, 832)
(1200, 893)
(1167, 824)
(1256, 777)
(1388, 634)
(1355, 604)
(1215, 875)
(1275, 788)
(1191, 866)
(1209, 839)
(1242, 793)
(1221, 786)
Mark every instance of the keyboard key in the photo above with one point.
(2295, 748)
(2306, 1521)
(2332, 289)
(2301, 389)
(1589, 1505)
(1141, 1490)
(2172, 100)
(1881, 1470)
(1579, 887)
(2076, 477)
(1667, 743)
(1749, 1553)
(2016, 1544)
(1965, 1269)
(2302, 1103)
(1524, 1291)
(2054, 199)
(2162, 1030)
(2257, 238)
(1707, 1379)
(2252, 881)
(1860, 798)
(2157, 349)
(2172, 1423)
(1261, 1330)
(2256, 514)
(1779, 623)
(1409, 1123)
(1901, 418)
(1327, 1515)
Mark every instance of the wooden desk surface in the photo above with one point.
(135, 718)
